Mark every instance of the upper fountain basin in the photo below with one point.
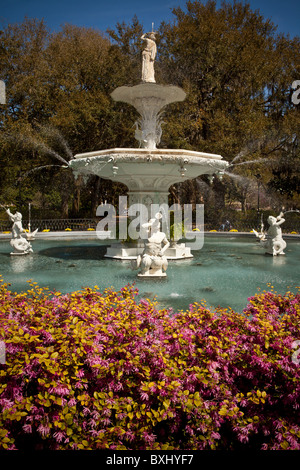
(148, 94)
(142, 153)
(149, 99)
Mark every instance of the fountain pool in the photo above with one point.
(225, 272)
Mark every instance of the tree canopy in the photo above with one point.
(236, 69)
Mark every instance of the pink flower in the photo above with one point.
(106, 421)
(144, 396)
(149, 438)
(43, 430)
(129, 435)
(59, 436)
(27, 428)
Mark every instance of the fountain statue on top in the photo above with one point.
(272, 241)
(20, 245)
(149, 54)
(149, 98)
(152, 261)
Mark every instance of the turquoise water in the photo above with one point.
(225, 272)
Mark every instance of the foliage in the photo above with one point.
(237, 72)
(91, 370)
(236, 69)
(58, 104)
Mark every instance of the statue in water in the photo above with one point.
(20, 245)
(153, 262)
(273, 241)
(148, 55)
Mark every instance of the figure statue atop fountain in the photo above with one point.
(153, 262)
(20, 245)
(148, 55)
(149, 98)
(273, 241)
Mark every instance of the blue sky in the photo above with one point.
(102, 14)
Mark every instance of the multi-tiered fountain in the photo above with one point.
(147, 171)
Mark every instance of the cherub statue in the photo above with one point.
(153, 262)
(273, 241)
(20, 245)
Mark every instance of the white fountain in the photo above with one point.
(147, 171)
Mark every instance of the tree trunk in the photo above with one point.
(244, 205)
(219, 190)
(65, 206)
(77, 194)
(95, 197)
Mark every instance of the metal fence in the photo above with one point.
(55, 225)
(253, 223)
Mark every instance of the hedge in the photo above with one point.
(92, 370)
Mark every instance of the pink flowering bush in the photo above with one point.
(92, 370)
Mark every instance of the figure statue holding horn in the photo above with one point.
(272, 242)
(148, 56)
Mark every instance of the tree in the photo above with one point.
(237, 72)
(58, 104)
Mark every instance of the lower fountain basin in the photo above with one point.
(225, 272)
